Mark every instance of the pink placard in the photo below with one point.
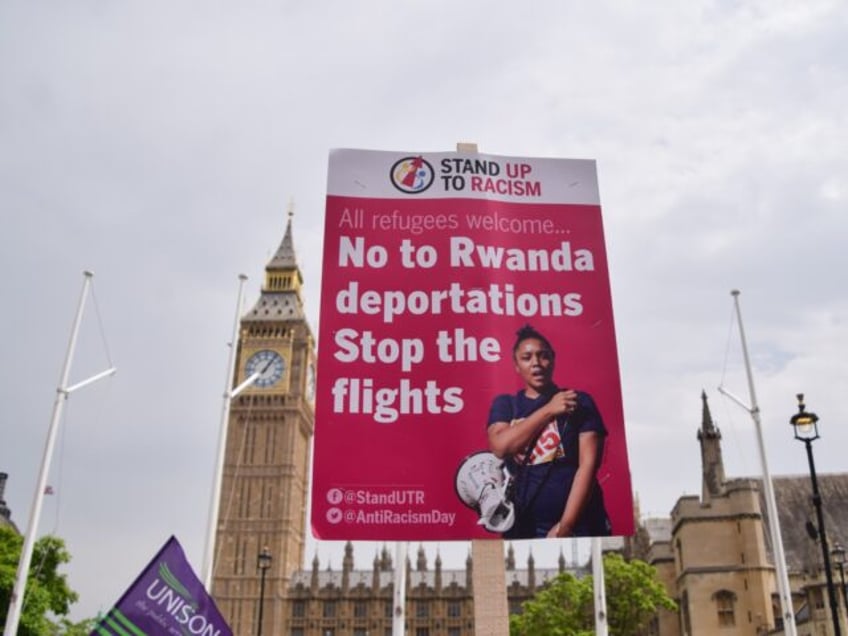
(432, 262)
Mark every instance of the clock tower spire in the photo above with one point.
(266, 462)
(282, 272)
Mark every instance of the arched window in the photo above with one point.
(329, 609)
(725, 601)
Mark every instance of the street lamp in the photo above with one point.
(263, 563)
(807, 430)
(838, 554)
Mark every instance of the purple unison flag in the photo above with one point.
(166, 598)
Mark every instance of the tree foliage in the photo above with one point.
(48, 595)
(83, 628)
(562, 608)
(565, 607)
(634, 595)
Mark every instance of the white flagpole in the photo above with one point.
(62, 392)
(784, 590)
(214, 503)
(601, 626)
(399, 614)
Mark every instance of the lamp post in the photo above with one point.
(263, 563)
(807, 430)
(838, 555)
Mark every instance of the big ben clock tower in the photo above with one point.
(266, 462)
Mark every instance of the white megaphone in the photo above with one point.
(481, 483)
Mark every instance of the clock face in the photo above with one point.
(270, 366)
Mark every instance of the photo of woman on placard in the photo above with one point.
(551, 440)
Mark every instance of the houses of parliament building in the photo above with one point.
(713, 553)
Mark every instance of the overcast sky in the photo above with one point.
(158, 144)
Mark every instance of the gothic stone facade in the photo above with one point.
(438, 602)
(715, 555)
(266, 461)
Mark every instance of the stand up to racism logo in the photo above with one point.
(412, 175)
